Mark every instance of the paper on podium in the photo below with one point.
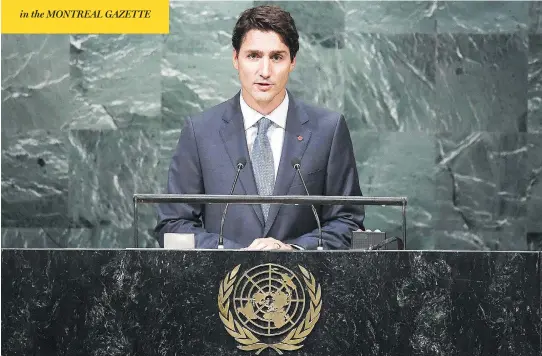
(176, 241)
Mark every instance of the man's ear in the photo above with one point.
(235, 59)
(292, 65)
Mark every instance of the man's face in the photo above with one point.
(264, 64)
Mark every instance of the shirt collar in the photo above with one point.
(277, 116)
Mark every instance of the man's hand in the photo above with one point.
(267, 243)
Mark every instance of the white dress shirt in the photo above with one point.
(275, 133)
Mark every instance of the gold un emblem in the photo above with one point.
(267, 307)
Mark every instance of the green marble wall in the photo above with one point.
(443, 100)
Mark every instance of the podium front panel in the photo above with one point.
(166, 302)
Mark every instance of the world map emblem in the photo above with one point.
(269, 306)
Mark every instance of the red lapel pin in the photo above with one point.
(300, 138)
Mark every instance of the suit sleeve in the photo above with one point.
(338, 221)
(185, 177)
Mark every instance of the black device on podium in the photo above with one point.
(376, 240)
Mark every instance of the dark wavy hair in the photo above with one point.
(267, 18)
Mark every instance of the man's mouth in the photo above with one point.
(264, 86)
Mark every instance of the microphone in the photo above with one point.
(296, 163)
(241, 162)
(400, 244)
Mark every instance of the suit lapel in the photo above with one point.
(233, 135)
(296, 139)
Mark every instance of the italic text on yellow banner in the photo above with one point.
(85, 16)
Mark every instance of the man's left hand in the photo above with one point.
(267, 243)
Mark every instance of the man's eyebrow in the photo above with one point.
(260, 52)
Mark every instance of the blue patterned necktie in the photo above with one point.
(262, 163)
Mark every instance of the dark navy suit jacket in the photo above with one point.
(205, 159)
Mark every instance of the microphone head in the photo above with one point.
(296, 163)
(241, 162)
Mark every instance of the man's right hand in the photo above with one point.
(267, 243)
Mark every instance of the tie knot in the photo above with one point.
(263, 125)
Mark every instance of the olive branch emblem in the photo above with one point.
(248, 341)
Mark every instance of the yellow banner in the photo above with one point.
(85, 16)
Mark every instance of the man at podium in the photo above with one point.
(263, 132)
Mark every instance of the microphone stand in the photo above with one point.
(297, 167)
(240, 166)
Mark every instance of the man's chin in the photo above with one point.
(263, 98)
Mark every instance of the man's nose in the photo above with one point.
(265, 70)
